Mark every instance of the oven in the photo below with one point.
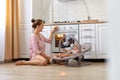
(64, 30)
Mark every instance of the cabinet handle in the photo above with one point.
(87, 29)
(43, 31)
(65, 28)
(88, 36)
(88, 43)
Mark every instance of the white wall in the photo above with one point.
(2, 42)
(36, 9)
(68, 11)
(114, 39)
(25, 28)
(76, 10)
(2, 29)
(96, 12)
(41, 9)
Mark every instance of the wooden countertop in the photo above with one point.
(82, 22)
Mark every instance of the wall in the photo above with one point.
(68, 11)
(2, 29)
(25, 28)
(41, 9)
(74, 10)
(114, 39)
(2, 42)
(36, 8)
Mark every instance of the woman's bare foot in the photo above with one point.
(20, 62)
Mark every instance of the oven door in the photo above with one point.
(55, 41)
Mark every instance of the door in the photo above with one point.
(67, 30)
(87, 35)
(46, 32)
(102, 41)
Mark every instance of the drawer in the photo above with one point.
(87, 27)
(62, 27)
(92, 51)
(68, 27)
(72, 27)
(87, 34)
(87, 41)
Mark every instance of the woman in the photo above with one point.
(37, 45)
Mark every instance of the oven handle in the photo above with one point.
(67, 32)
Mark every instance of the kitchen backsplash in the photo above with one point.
(76, 10)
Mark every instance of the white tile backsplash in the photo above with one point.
(75, 10)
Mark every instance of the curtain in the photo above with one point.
(11, 32)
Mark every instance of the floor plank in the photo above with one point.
(94, 71)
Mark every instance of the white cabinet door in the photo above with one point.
(101, 41)
(24, 35)
(25, 28)
(87, 36)
(24, 40)
(2, 42)
(46, 32)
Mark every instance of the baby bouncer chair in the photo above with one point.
(69, 42)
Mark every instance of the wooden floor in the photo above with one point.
(94, 71)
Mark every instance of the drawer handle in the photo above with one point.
(43, 31)
(87, 29)
(87, 36)
(88, 43)
(70, 27)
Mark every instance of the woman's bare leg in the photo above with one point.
(46, 56)
(38, 60)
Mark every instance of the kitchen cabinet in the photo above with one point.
(24, 42)
(46, 32)
(25, 32)
(94, 34)
(2, 42)
(102, 41)
(87, 35)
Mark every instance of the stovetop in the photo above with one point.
(67, 21)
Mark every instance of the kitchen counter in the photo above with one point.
(82, 22)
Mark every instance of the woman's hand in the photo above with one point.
(55, 29)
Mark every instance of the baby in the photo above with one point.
(67, 53)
